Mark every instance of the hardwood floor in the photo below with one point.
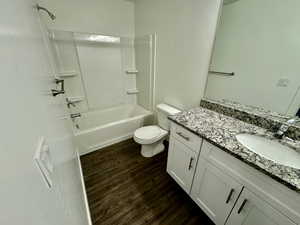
(125, 188)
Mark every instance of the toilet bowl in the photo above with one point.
(151, 137)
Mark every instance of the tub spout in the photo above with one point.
(75, 115)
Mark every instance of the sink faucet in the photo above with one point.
(284, 127)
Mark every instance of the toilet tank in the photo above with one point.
(163, 111)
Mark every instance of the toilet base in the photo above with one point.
(151, 150)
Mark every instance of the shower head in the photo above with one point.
(227, 2)
(52, 16)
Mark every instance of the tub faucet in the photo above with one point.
(70, 103)
(284, 127)
(73, 117)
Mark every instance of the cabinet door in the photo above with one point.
(214, 191)
(252, 210)
(181, 164)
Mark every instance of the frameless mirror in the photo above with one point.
(256, 55)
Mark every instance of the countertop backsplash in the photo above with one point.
(251, 114)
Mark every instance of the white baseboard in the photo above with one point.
(107, 143)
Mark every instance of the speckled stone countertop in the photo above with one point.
(221, 131)
(252, 114)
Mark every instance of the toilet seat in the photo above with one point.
(149, 134)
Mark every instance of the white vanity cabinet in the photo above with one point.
(181, 164)
(214, 191)
(251, 210)
(183, 153)
(228, 190)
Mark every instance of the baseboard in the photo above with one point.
(107, 143)
(87, 207)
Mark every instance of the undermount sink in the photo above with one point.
(270, 149)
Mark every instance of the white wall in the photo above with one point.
(259, 41)
(185, 34)
(101, 66)
(110, 17)
(28, 111)
(102, 79)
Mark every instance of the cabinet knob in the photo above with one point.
(229, 196)
(191, 163)
(242, 206)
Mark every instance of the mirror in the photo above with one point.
(256, 55)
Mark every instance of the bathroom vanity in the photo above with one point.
(230, 183)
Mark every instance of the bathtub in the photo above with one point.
(99, 129)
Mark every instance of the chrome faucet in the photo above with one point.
(75, 115)
(284, 127)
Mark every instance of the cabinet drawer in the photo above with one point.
(186, 137)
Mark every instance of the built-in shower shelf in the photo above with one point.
(76, 99)
(66, 74)
(133, 71)
(132, 92)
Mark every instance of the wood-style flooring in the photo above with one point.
(125, 188)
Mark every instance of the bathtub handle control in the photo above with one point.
(62, 88)
(73, 117)
(70, 103)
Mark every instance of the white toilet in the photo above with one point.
(151, 137)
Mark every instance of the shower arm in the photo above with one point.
(52, 16)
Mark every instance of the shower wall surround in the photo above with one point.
(68, 67)
(145, 55)
(103, 66)
(101, 72)
(113, 93)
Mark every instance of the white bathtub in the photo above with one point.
(99, 129)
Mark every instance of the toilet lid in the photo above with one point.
(149, 132)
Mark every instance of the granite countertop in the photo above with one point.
(254, 115)
(221, 130)
(254, 110)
